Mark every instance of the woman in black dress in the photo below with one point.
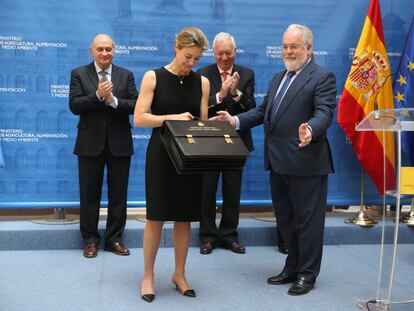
(172, 92)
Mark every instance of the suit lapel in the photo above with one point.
(272, 93)
(235, 68)
(93, 77)
(215, 79)
(293, 90)
(115, 77)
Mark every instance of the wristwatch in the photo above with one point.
(101, 99)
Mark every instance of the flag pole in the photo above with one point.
(362, 219)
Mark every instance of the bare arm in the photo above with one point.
(142, 115)
(205, 86)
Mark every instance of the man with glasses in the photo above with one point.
(296, 114)
(231, 89)
(103, 95)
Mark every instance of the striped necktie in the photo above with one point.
(278, 98)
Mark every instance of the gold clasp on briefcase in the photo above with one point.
(228, 139)
(190, 139)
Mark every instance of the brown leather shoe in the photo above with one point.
(206, 248)
(236, 247)
(117, 248)
(91, 250)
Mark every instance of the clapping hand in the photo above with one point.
(105, 88)
(235, 78)
(225, 87)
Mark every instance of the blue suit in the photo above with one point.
(298, 176)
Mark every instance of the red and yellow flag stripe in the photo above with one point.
(370, 79)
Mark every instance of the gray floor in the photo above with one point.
(63, 280)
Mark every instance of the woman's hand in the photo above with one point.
(185, 116)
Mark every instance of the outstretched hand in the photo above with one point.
(305, 135)
(224, 116)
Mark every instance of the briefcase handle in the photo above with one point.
(190, 139)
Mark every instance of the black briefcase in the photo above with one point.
(203, 146)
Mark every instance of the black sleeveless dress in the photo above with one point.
(172, 196)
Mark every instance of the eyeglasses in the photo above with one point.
(292, 47)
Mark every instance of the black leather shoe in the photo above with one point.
(206, 248)
(282, 249)
(148, 297)
(300, 287)
(281, 278)
(235, 247)
(188, 292)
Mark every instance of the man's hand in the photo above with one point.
(235, 78)
(224, 116)
(225, 87)
(110, 98)
(305, 135)
(104, 88)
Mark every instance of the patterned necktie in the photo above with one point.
(224, 75)
(278, 98)
(104, 75)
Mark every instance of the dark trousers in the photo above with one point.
(91, 173)
(231, 188)
(280, 242)
(300, 203)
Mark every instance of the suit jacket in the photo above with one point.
(101, 125)
(310, 98)
(246, 102)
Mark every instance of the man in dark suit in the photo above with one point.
(296, 114)
(103, 96)
(231, 89)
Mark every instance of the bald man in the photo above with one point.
(103, 95)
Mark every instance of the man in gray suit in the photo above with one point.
(296, 114)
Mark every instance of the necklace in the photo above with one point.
(181, 78)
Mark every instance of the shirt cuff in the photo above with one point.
(238, 96)
(218, 101)
(101, 99)
(114, 104)
(236, 118)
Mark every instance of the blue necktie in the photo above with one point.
(278, 98)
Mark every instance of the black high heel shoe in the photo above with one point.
(148, 297)
(188, 293)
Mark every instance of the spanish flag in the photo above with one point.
(369, 80)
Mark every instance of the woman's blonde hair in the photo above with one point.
(191, 36)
